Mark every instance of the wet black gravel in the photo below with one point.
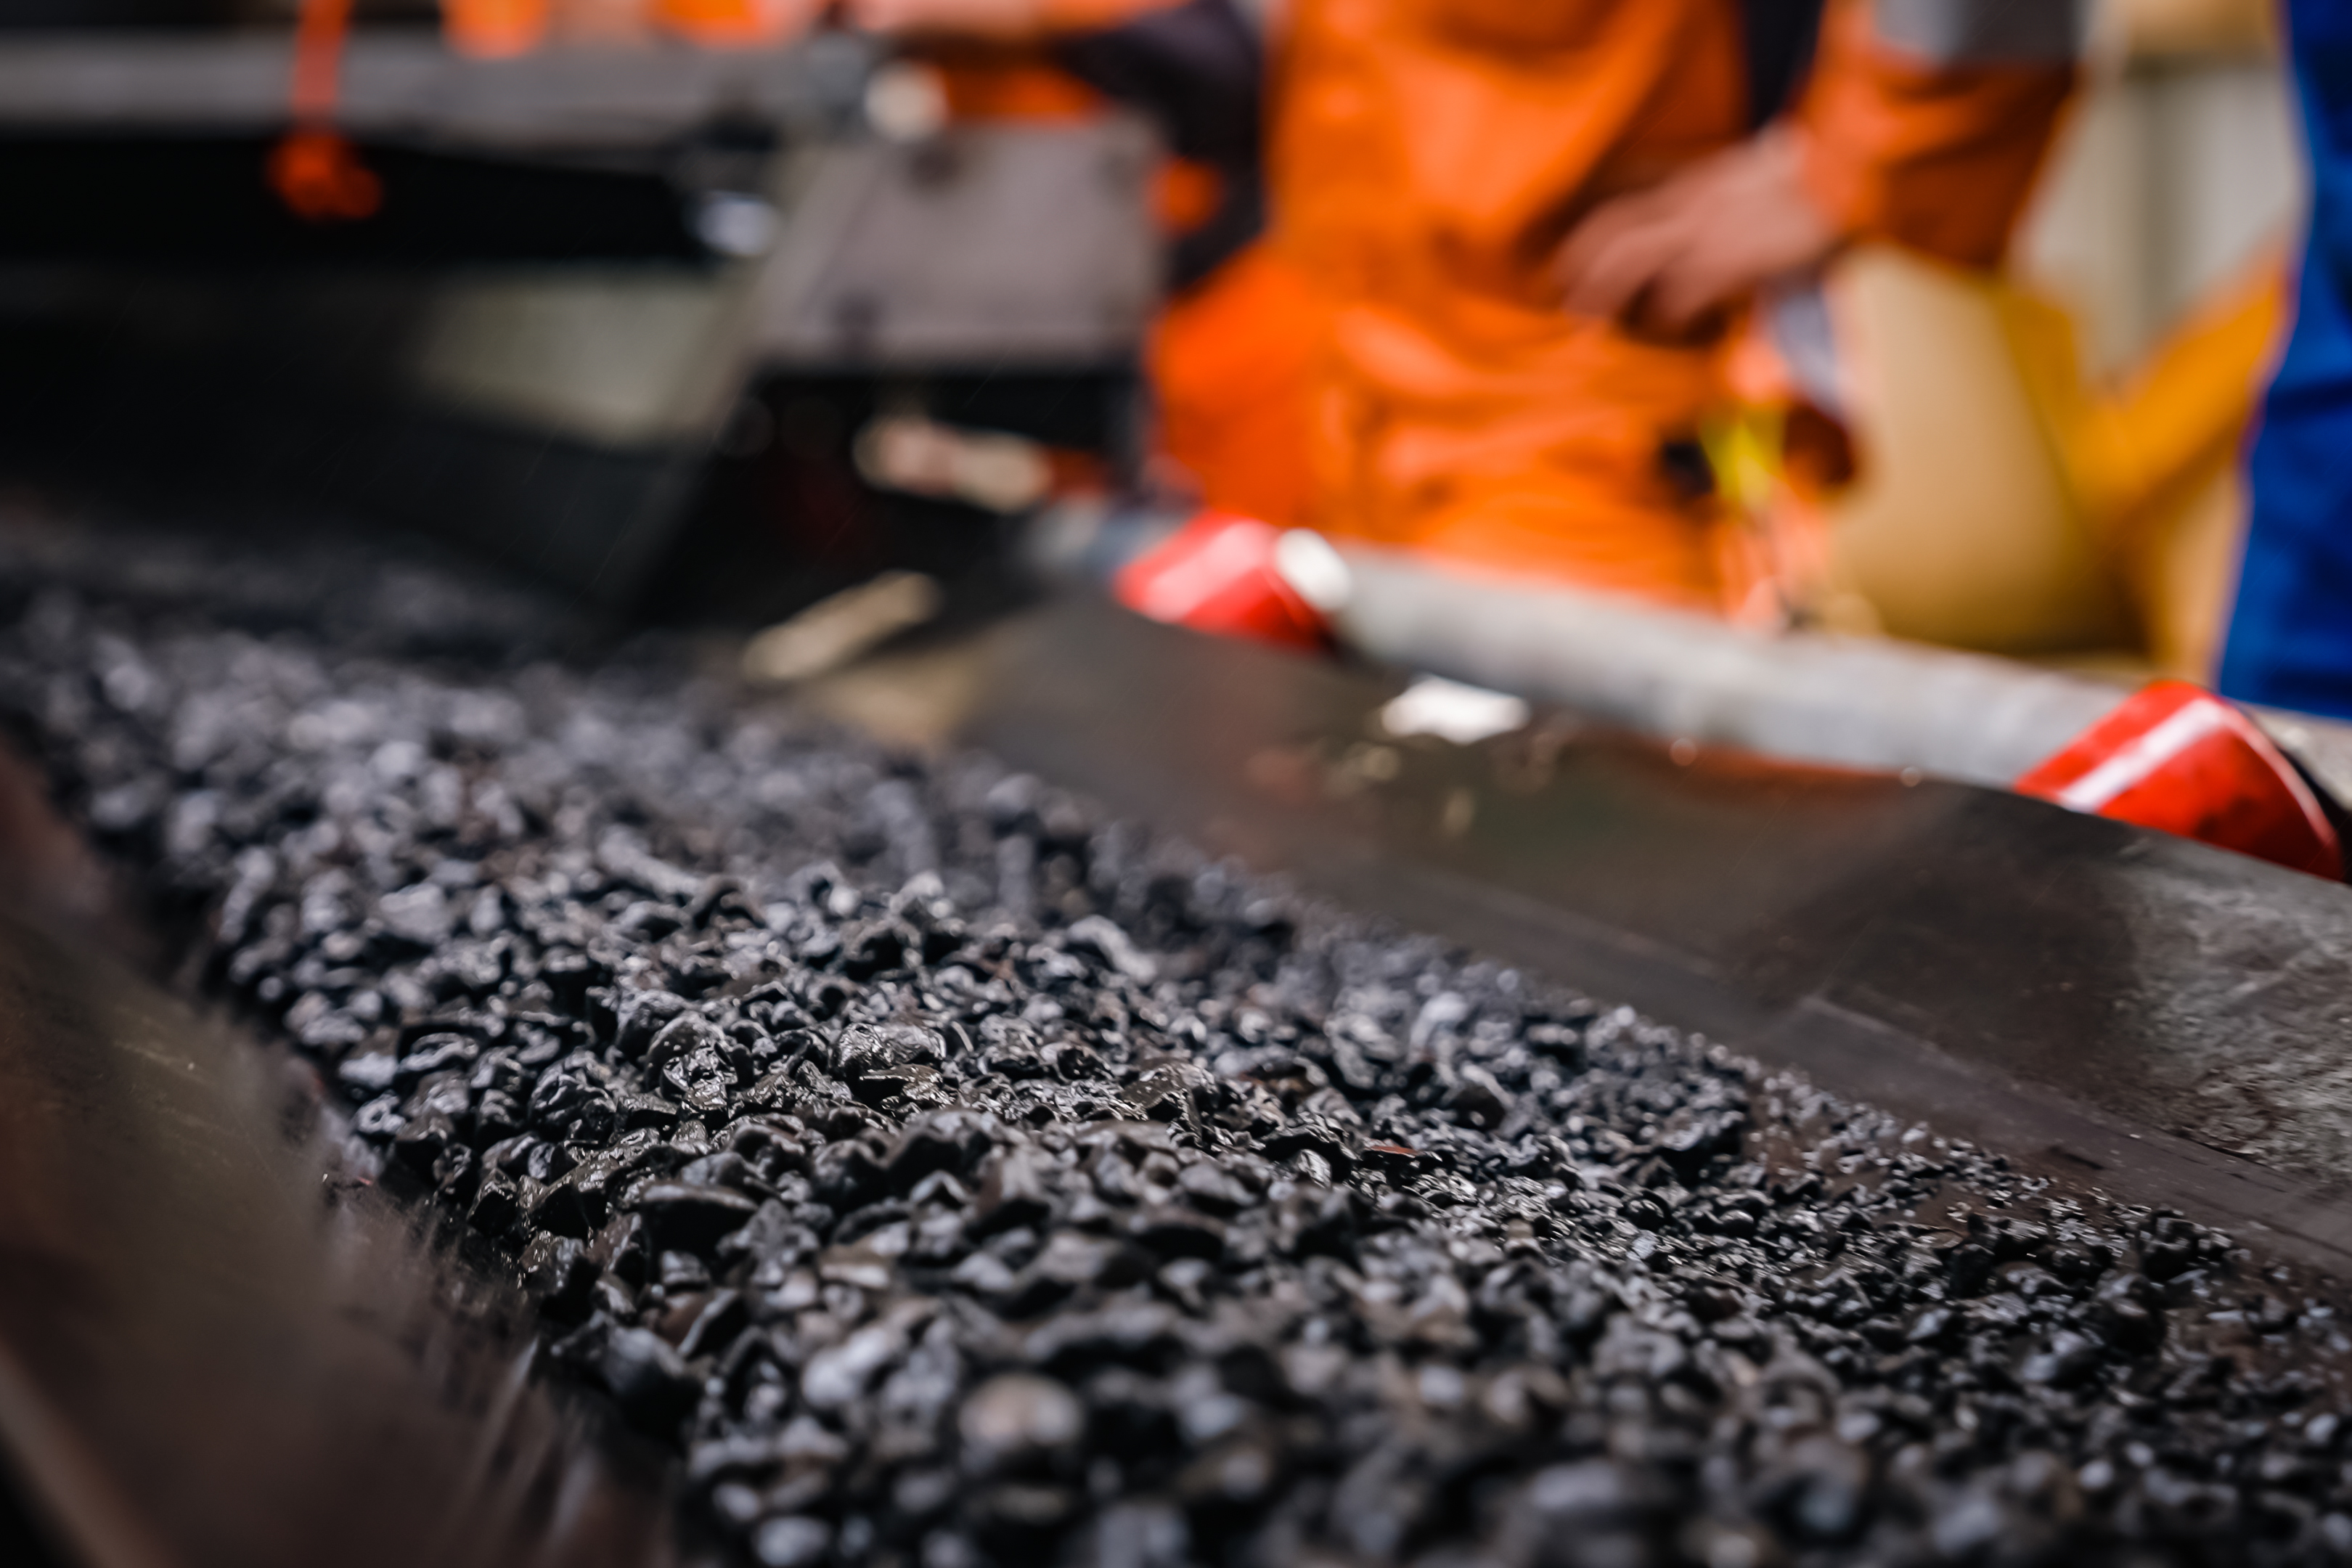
(956, 1177)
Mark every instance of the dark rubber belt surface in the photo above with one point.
(264, 1363)
(208, 1357)
(2134, 1012)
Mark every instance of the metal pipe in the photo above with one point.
(1815, 697)
(1859, 702)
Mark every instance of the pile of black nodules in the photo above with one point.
(957, 1178)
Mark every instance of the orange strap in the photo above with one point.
(318, 33)
(315, 171)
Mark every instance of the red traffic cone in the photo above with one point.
(1237, 577)
(2173, 756)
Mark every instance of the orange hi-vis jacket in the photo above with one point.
(1391, 363)
(1429, 157)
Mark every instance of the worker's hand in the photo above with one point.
(1669, 261)
(969, 18)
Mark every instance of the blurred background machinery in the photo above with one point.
(710, 333)
(608, 288)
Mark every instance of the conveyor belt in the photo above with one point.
(202, 1363)
(2129, 1010)
(209, 1355)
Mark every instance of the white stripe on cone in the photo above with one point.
(2133, 763)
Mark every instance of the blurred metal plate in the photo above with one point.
(214, 1351)
(404, 82)
(985, 246)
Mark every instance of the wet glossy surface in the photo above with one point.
(210, 1353)
(2138, 1013)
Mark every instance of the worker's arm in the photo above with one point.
(1923, 124)
(1925, 121)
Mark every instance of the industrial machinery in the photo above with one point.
(973, 1075)
(753, 1050)
(588, 271)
